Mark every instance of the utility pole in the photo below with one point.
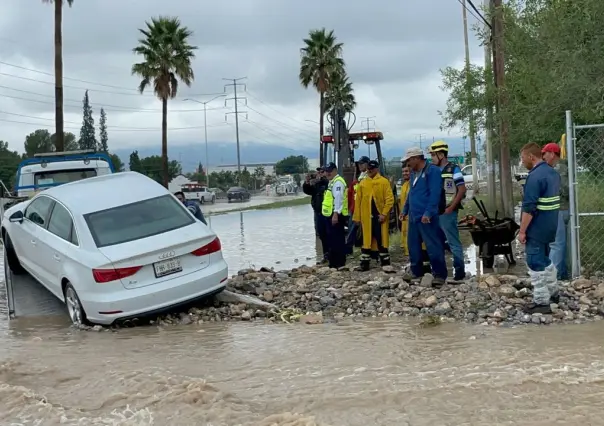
(505, 176)
(471, 122)
(488, 68)
(205, 131)
(368, 120)
(234, 85)
(420, 135)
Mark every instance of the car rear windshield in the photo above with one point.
(137, 220)
(52, 177)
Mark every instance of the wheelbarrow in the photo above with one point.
(492, 236)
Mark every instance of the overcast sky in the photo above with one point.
(393, 51)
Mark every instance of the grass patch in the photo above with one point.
(290, 202)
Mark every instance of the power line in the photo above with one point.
(480, 17)
(106, 107)
(277, 111)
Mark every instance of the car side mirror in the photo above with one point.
(16, 217)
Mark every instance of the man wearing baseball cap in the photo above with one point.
(316, 187)
(559, 248)
(425, 202)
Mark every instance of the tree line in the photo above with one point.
(553, 62)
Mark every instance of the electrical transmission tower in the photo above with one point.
(367, 128)
(235, 98)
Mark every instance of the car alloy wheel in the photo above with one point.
(74, 307)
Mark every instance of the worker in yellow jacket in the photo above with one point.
(405, 224)
(373, 203)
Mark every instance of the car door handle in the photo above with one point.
(57, 257)
(34, 242)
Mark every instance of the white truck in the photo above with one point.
(197, 192)
(46, 170)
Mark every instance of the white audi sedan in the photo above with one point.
(114, 247)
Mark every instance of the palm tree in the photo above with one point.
(60, 141)
(340, 94)
(167, 57)
(321, 58)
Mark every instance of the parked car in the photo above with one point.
(238, 193)
(197, 192)
(113, 255)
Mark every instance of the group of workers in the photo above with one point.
(430, 200)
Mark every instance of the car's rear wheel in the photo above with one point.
(74, 306)
(11, 257)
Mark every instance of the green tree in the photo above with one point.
(39, 141)
(87, 132)
(321, 60)
(340, 94)
(167, 57)
(292, 165)
(116, 161)
(59, 119)
(9, 161)
(69, 142)
(152, 167)
(104, 137)
(135, 162)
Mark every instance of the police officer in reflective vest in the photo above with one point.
(335, 212)
(455, 190)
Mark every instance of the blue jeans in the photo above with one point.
(537, 255)
(448, 223)
(559, 248)
(430, 234)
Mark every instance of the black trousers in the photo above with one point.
(336, 239)
(321, 231)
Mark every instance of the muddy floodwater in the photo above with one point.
(351, 373)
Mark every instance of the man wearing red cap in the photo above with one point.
(538, 225)
(559, 248)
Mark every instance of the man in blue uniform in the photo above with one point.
(424, 204)
(454, 186)
(538, 226)
(192, 206)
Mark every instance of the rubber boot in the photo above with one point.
(541, 295)
(365, 260)
(385, 259)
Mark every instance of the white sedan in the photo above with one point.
(114, 247)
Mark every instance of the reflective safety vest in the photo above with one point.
(449, 187)
(548, 203)
(327, 208)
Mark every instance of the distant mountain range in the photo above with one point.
(226, 152)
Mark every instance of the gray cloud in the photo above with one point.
(393, 50)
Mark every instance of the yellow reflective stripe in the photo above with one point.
(550, 207)
(447, 175)
(548, 199)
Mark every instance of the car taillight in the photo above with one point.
(108, 275)
(212, 247)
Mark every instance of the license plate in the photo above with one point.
(167, 267)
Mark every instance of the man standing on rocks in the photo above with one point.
(316, 189)
(425, 202)
(538, 226)
(455, 191)
(559, 248)
(373, 202)
(335, 211)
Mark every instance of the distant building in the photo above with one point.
(176, 183)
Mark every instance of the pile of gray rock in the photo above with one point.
(335, 294)
(314, 294)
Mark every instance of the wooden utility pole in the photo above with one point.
(488, 70)
(471, 121)
(505, 177)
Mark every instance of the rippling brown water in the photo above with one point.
(362, 373)
(348, 374)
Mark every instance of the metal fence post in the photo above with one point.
(573, 213)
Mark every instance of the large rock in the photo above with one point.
(233, 298)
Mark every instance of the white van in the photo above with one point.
(56, 168)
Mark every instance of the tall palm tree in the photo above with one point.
(59, 125)
(167, 57)
(340, 94)
(321, 58)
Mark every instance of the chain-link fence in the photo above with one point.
(586, 178)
